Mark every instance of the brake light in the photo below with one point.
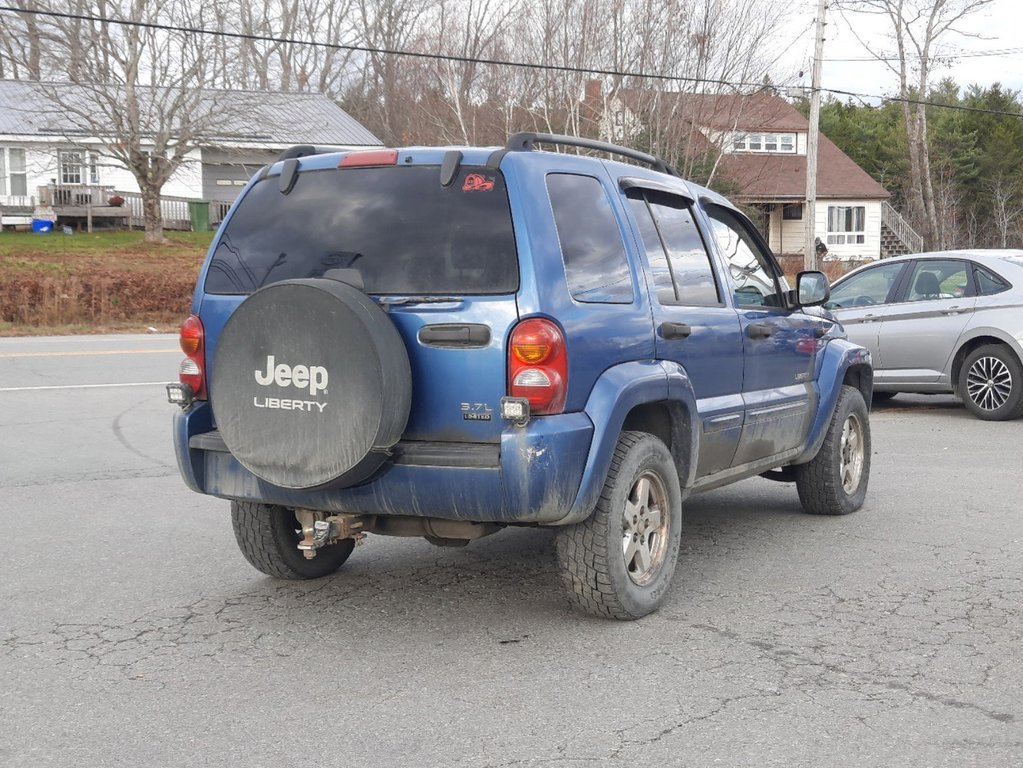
(369, 157)
(192, 370)
(538, 365)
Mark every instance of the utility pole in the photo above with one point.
(810, 209)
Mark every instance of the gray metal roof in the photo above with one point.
(258, 118)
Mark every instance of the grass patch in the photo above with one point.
(100, 243)
(96, 283)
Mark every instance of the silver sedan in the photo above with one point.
(941, 322)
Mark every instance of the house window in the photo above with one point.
(78, 167)
(13, 173)
(792, 212)
(70, 167)
(764, 142)
(847, 224)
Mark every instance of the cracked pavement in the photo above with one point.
(132, 632)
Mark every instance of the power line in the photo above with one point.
(370, 49)
(949, 55)
(921, 102)
(470, 60)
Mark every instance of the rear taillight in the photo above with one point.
(369, 157)
(538, 365)
(193, 368)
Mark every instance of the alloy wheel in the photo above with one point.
(645, 525)
(850, 465)
(989, 383)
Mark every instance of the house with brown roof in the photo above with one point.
(757, 150)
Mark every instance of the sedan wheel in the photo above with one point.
(991, 383)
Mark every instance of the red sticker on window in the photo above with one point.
(475, 182)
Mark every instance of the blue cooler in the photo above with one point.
(42, 226)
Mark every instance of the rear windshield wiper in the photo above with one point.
(388, 302)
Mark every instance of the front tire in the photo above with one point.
(991, 383)
(619, 563)
(268, 538)
(834, 482)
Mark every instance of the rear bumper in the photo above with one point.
(532, 476)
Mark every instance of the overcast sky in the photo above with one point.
(997, 34)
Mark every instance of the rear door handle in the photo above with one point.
(759, 330)
(951, 311)
(675, 331)
(455, 335)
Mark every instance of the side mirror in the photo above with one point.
(812, 288)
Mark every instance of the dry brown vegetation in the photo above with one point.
(96, 283)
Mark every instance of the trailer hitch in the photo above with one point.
(320, 529)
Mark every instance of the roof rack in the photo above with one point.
(525, 141)
(306, 150)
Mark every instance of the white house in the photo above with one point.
(47, 158)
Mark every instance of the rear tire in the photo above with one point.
(991, 383)
(619, 563)
(834, 482)
(267, 536)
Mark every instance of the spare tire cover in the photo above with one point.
(310, 384)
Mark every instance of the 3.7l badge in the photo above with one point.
(476, 412)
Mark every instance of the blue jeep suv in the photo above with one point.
(442, 342)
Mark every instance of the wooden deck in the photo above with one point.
(77, 204)
(97, 212)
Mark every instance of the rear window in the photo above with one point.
(403, 231)
(988, 283)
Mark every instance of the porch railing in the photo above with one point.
(218, 210)
(74, 195)
(13, 202)
(900, 227)
(174, 210)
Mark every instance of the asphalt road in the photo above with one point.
(132, 632)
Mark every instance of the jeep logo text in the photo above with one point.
(283, 375)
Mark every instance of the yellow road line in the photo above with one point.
(84, 386)
(86, 353)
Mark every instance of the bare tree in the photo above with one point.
(916, 27)
(20, 45)
(1006, 206)
(455, 93)
(140, 90)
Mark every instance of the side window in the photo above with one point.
(660, 272)
(988, 283)
(681, 267)
(938, 279)
(869, 287)
(751, 271)
(591, 242)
